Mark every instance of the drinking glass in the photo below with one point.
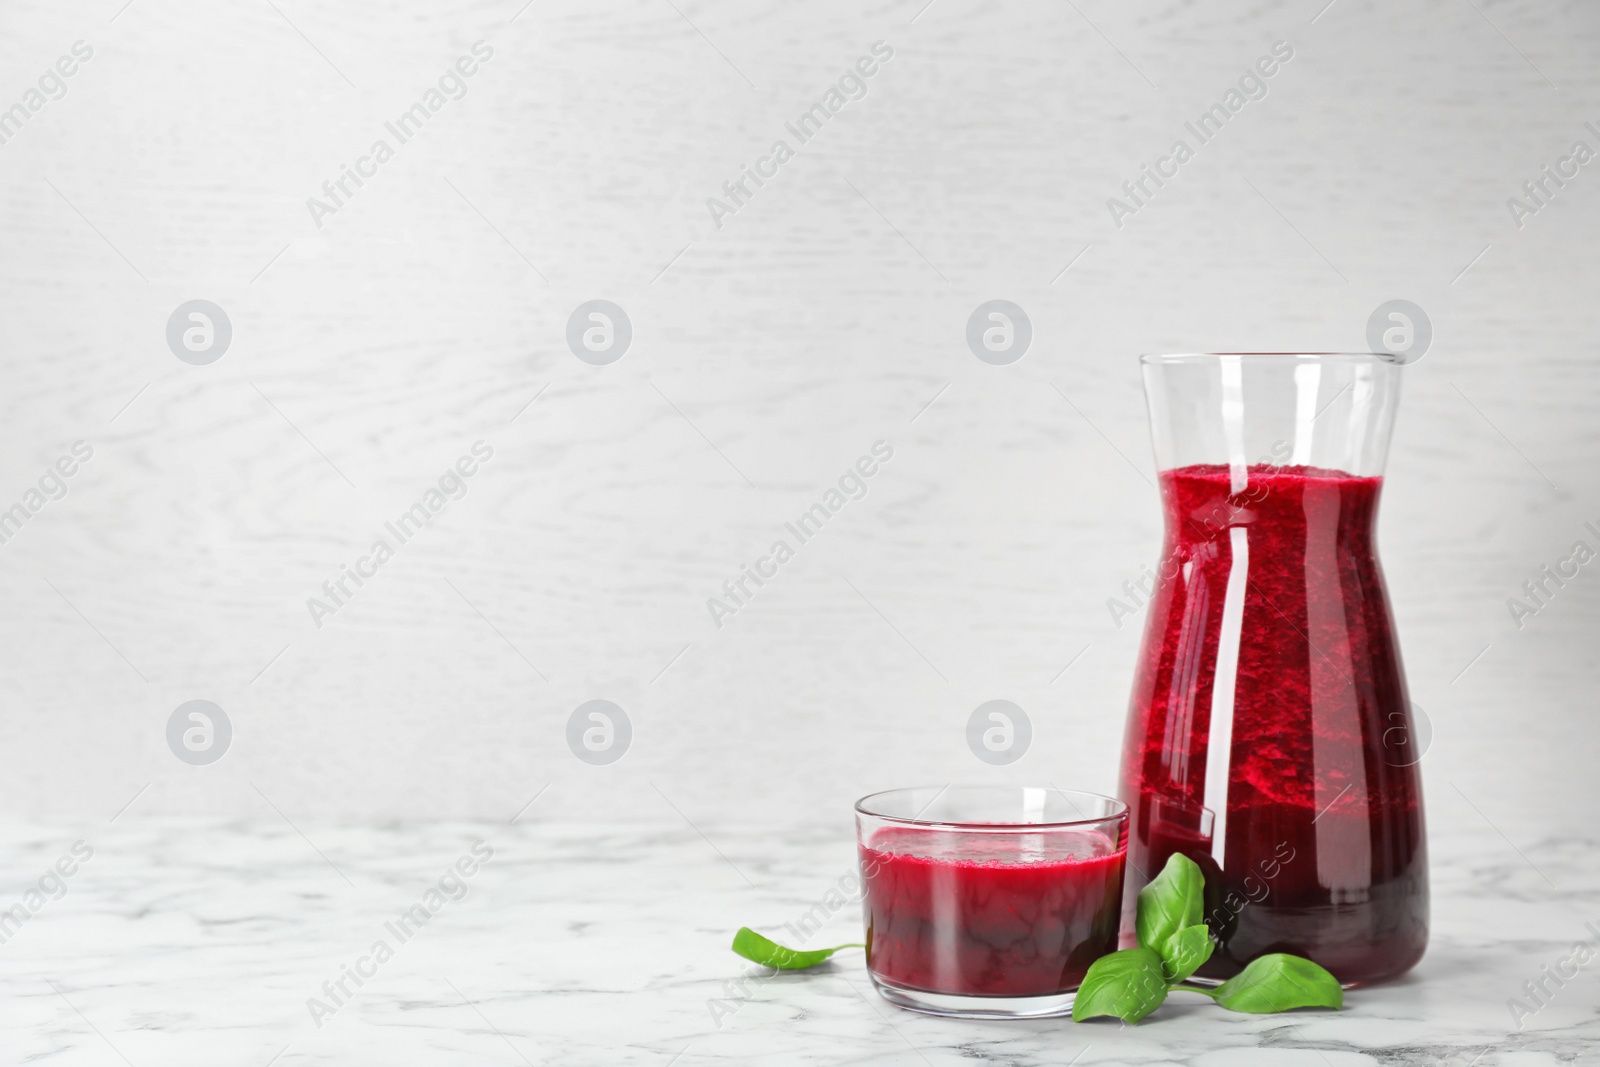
(989, 900)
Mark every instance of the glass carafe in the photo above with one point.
(1269, 734)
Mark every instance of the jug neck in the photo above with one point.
(1332, 411)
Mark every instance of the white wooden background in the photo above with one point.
(767, 355)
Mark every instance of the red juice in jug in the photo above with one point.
(1267, 733)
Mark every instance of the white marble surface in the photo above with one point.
(199, 943)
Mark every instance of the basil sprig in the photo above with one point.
(752, 946)
(1174, 943)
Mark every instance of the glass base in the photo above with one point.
(960, 1006)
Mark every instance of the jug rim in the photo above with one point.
(1184, 357)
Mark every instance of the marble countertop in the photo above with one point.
(164, 942)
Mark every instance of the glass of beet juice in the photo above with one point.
(1269, 735)
(989, 900)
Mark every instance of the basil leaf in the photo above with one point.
(752, 946)
(1126, 985)
(1171, 902)
(1185, 951)
(1279, 982)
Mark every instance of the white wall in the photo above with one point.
(823, 316)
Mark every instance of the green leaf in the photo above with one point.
(1279, 982)
(752, 946)
(1125, 985)
(1170, 903)
(1185, 951)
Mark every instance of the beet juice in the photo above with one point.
(1269, 634)
(1010, 913)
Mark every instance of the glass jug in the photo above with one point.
(1269, 733)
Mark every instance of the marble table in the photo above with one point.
(174, 943)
